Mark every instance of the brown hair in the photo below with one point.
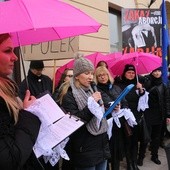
(63, 76)
(4, 37)
(102, 63)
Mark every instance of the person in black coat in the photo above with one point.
(129, 77)
(167, 97)
(155, 114)
(121, 136)
(168, 109)
(37, 82)
(88, 146)
(18, 128)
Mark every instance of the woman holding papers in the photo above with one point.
(121, 117)
(89, 147)
(129, 77)
(18, 128)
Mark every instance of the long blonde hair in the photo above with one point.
(62, 91)
(64, 88)
(8, 93)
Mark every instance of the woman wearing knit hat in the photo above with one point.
(88, 146)
(156, 112)
(129, 77)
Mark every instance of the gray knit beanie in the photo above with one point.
(81, 65)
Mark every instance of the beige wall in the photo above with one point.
(118, 4)
(98, 9)
(89, 43)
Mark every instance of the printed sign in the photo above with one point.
(141, 31)
(60, 49)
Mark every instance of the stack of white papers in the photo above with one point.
(55, 124)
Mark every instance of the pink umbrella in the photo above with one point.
(94, 58)
(34, 21)
(144, 63)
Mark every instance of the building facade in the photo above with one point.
(108, 39)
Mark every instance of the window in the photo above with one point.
(115, 30)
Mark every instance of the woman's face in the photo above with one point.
(85, 78)
(130, 75)
(7, 58)
(69, 75)
(103, 78)
(157, 73)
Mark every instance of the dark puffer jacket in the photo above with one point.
(17, 141)
(85, 150)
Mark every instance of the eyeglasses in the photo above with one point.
(102, 75)
(69, 76)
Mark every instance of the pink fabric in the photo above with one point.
(143, 62)
(94, 58)
(35, 21)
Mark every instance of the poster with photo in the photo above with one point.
(141, 31)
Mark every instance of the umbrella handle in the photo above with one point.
(137, 78)
(22, 61)
(54, 70)
(23, 67)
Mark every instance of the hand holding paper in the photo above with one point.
(95, 109)
(55, 124)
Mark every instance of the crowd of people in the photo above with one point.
(101, 143)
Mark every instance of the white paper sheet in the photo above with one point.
(55, 124)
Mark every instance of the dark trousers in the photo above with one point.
(123, 145)
(155, 133)
(134, 144)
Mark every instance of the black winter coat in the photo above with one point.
(132, 97)
(17, 141)
(85, 149)
(109, 93)
(157, 100)
(168, 100)
(37, 85)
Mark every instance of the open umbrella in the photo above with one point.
(34, 21)
(94, 58)
(143, 62)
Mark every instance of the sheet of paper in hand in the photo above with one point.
(55, 124)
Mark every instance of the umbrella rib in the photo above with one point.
(145, 67)
(56, 33)
(27, 12)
